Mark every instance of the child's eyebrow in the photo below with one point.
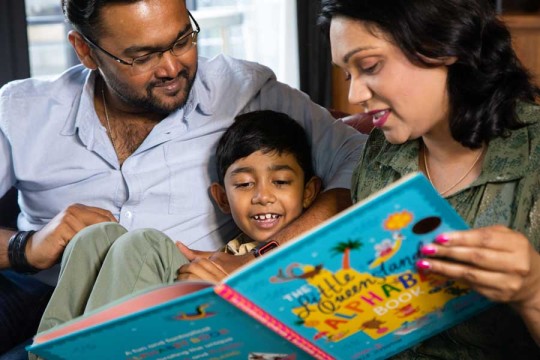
(250, 170)
(240, 170)
(280, 167)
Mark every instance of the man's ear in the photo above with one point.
(83, 50)
(311, 190)
(220, 197)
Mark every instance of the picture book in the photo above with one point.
(348, 289)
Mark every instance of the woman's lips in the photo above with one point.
(379, 117)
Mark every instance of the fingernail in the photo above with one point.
(428, 250)
(423, 264)
(442, 239)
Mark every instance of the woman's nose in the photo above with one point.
(359, 92)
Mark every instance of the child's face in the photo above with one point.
(264, 193)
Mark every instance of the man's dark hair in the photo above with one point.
(84, 15)
(267, 131)
(485, 82)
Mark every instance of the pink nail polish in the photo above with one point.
(423, 264)
(428, 250)
(442, 239)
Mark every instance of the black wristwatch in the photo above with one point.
(264, 247)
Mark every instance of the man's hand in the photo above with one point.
(210, 266)
(46, 246)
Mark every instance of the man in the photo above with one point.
(129, 135)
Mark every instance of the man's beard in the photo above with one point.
(149, 103)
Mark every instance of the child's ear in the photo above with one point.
(220, 197)
(311, 190)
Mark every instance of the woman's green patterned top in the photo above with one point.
(507, 192)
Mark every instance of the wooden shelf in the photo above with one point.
(525, 30)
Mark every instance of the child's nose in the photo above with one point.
(263, 196)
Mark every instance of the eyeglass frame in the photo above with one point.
(161, 52)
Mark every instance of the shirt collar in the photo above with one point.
(199, 96)
(82, 107)
(401, 158)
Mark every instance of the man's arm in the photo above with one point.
(5, 235)
(46, 246)
(326, 205)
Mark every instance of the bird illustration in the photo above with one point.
(386, 249)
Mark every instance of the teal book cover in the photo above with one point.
(351, 288)
(348, 289)
(183, 321)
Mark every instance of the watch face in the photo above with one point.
(264, 248)
(267, 247)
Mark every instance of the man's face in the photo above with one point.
(136, 29)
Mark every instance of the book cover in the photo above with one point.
(185, 321)
(351, 287)
(348, 289)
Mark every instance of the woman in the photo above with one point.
(448, 97)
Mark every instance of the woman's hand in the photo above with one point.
(495, 261)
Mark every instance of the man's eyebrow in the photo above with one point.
(148, 49)
(348, 55)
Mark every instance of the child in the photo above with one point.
(265, 182)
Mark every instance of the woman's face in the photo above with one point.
(405, 101)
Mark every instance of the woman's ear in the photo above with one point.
(83, 50)
(220, 197)
(311, 190)
(446, 61)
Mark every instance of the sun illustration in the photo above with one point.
(398, 221)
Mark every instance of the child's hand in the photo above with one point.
(201, 269)
(207, 265)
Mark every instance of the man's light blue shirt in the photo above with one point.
(54, 149)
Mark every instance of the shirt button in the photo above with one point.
(128, 214)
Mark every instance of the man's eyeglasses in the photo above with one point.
(147, 62)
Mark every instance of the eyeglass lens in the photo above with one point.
(180, 47)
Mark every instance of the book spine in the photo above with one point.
(241, 302)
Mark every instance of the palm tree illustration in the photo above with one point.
(345, 249)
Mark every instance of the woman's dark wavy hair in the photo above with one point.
(267, 131)
(84, 15)
(487, 79)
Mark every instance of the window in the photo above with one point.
(50, 52)
(258, 30)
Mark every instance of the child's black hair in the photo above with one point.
(267, 131)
